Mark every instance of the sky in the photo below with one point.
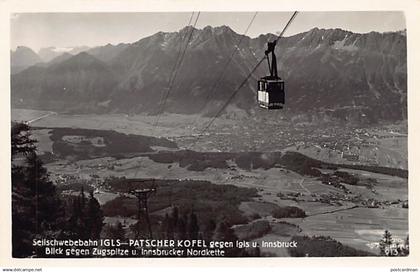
(38, 30)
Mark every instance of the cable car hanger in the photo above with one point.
(270, 94)
(245, 81)
(270, 49)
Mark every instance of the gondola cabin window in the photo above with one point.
(271, 93)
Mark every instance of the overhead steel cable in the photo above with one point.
(176, 71)
(173, 73)
(222, 73)
(232, 96)
(181, 55)
(242, 84)
(287, 25)
(177, 58)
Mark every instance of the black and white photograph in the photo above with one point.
(202, 134)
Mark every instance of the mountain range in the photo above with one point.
(22, 58)
(331, 71)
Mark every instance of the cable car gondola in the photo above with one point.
(271, 88)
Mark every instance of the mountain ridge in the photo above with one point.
(325, 70)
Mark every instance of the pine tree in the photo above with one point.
(385, 243)
(172, 223)
(36, 208)
(164, 227)
(114, 231)
(174, 216)
(94, 218)
(170, 228)
(225, 233)
(86, 220)
(22, 143)
(82, 198)
(193, 227)
(181, 228)
(76, 227)
(209, 228)
(406, 248)
(120, 232)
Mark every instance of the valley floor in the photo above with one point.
(354, 214)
